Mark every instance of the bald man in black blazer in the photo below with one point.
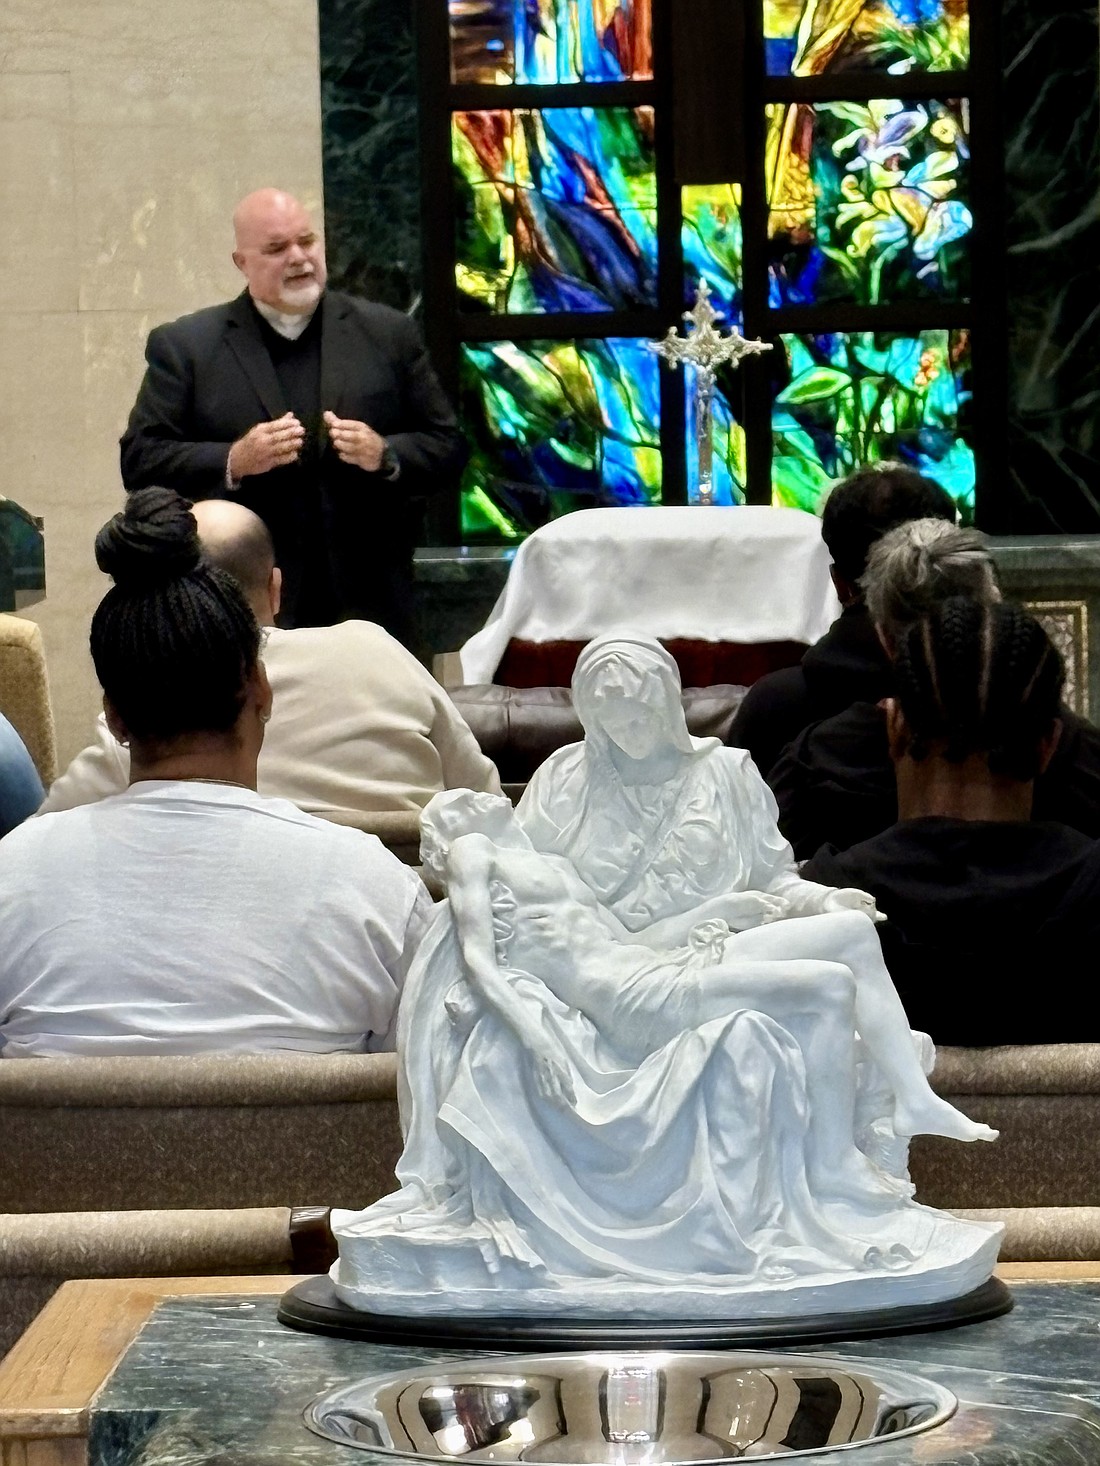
(318, 411)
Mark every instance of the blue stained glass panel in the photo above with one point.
(557, 209)
(550, 41)
(556, 426)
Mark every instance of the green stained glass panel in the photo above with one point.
(557, 209)
(868, 396)
(556, 426)
(710, 237)
(868, 202)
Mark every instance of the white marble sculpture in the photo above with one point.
(629, 1053)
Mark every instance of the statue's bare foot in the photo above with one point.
(934, 1116)
(858, 1180)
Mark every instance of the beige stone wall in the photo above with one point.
(128, 130)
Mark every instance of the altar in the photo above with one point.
(1057, 577)
(117, 1372)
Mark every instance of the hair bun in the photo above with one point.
(152, 541)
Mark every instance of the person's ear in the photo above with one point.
(847, 593)
(1048, 744)
(897, 730)
(238, 260)
(258, 692)
(115, 726)
(275, 590)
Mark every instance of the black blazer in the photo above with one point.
(210, 378)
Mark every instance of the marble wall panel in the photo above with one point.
(128, 132)
(371, 156)
(1051, 119)
(37, 269)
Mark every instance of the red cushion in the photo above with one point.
(701, 663)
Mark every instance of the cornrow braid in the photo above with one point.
(174, 640)
(974, 677)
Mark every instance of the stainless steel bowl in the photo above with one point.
(628, 1409)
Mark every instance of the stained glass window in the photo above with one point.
(728, 475)
(868, 201)
(557, 209)
(866, 396)
(812, 37)
(550, 41)
(556, 426)
(840, 230)
(711, 244)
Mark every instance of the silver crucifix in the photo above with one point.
(705, 349)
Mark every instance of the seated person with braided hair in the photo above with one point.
(188, 913)
(834, 783)
(977, 893)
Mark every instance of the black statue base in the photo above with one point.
(314, 1307)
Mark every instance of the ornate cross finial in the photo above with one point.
(705, 349)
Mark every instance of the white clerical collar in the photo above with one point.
(290, 326)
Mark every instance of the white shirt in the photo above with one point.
(187, 917)
(358, 727)
(290, 325)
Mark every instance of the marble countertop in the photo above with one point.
(219, 1378)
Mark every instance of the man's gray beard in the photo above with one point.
(302, 299)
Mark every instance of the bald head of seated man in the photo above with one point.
(358, 727)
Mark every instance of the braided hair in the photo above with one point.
(977, 677)
(174, 640)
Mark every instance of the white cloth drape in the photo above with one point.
(748, 574)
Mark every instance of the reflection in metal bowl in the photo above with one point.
(629, 1409)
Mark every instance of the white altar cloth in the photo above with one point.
(746, 574)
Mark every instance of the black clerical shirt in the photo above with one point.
(297, 366)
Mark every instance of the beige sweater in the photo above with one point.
(358, 727)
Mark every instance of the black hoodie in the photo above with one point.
(847, 665)
(979, 914)
(835, 783)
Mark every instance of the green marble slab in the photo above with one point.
(219, 1379)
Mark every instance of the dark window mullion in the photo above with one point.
(757, 373)
(910, 315)
(989, 346)
(670, 266)
(560, 325)
(862, 86)
(486, 97)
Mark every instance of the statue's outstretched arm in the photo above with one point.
(773, 863)
(469, 872)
